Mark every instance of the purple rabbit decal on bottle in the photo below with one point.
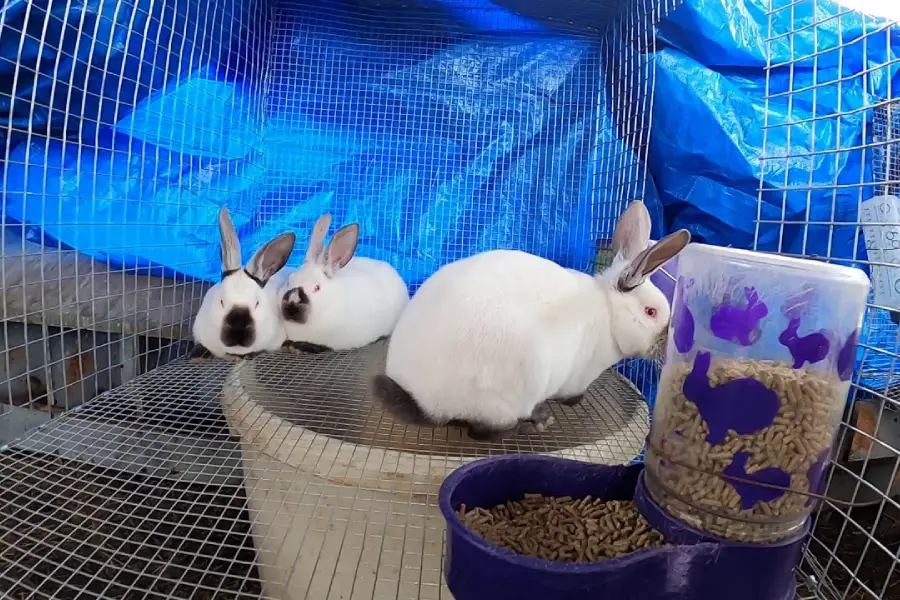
(740, 324)
(810, 348)
(743, 405)
(752, 494)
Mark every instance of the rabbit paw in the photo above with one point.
(200, 354)
(484, 433)
(541, 426)
(541, 418)
(304, 348)
(571, 400)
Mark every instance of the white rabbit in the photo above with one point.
(488, 339)
(239, 316)
(334, 303)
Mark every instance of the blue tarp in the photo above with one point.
(709, 136)
(486, 129)
(457, 144)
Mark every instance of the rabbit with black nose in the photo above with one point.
(338, 301)
(295, 305)
(239, 316)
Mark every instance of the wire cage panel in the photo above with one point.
(828, 170)
(443, 130)
(97, 199)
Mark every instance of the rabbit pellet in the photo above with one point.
(563, 529)
(798, 439)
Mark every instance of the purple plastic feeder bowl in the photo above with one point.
(699, 568)
(764, 571)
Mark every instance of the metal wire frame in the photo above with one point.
(74, 326)
(146, 491)
(851, 555)
(110, 500)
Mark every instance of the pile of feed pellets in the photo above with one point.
(564, 529)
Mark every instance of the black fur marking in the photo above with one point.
(293, 312)
(398, 401)
(230, 272)
(295, 305)
(541, 418)
(199, 351)
(260, 282)
(238, 329)
(484, 433)
(624, 288)
(571, 401)
(306, 347)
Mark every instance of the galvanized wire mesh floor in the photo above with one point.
(300, 488)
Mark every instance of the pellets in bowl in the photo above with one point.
(777, 429)
(563, 529)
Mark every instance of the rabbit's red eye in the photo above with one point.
(316, 288)
(650, 312)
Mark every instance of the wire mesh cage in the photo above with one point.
(444, 127)
(838, 206)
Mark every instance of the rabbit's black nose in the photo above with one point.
(238, 329)
(295, 305)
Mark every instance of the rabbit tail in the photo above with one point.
(398, 401)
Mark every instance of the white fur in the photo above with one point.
(239, 290)
(351, 305)
(488, 338)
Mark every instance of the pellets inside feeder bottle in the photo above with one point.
(757, 375)
(564, 529)
(732, 478)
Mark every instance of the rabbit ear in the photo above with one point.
(341, 247)
(650, 260)
(317, 238)
(632, 232)
(231, 248)
(269, 259)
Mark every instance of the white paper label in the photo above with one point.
(881, 227)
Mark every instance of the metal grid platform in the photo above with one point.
(144, 492)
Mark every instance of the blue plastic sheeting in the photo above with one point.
(423, 150)
(708, 135)
(485, 130)
(202, 117)
(126, 203)
(72, 68)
